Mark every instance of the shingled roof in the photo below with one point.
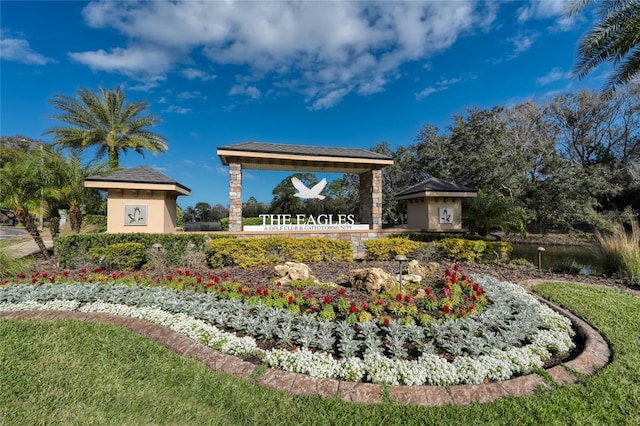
(274, 156)
(325, 151)
(433, 185)
(142, 174)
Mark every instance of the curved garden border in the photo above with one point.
(594, 355)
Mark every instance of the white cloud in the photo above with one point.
(548, 9)
(148, 65)
(190, 95)
(177, 109)
(552, 76)
(162, 100)
(441, 85)
(250, 91)
(537, 9)
(427, 91)
(522, 43)
(19, 50)
(323, 50)
(193, 74)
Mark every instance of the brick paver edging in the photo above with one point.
(595, 355)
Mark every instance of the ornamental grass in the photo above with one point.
(622, 249)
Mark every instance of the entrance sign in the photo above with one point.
(367, 165)
(301, 222)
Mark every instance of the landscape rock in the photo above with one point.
(292, 271)
(371, 280)
(415, 268)
(411, 278)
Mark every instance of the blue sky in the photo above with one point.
(330, 73)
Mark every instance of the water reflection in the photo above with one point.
(586, 259)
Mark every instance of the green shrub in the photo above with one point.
(567, 266)
(519, 261)
(72, 249)
(248, 252)
(478, 251)
(120, 256)
(388, 248)
(99, 221)
(428, 237)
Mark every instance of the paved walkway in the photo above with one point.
(28, 247)
(595, 355)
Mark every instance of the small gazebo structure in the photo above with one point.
(435, 205)
(140, 199)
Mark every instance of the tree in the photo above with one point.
(203, 210)
(284, 200)
(72, 193)
(254, 208)
(342, 195)
(219, 211)
(12, 148)
(492, 211)
(613, 39)
(599, 136)
(190, 214)
(105, 121)
(24, 185)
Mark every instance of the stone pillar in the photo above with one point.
(371, 198)
(235, 197)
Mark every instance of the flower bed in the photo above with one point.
(513, 335)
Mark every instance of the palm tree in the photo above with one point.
(106, 122)
(492, 211)
(72, 192)
(24, 184)
(615, 38)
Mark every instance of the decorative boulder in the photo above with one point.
(411, 278)
(415, 268)
(292, 271)
(371, 280)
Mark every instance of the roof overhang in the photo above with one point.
(299, 161)
(441, 194)
(106, 185)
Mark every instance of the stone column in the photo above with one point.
(376, 199)
(371, 198)
(235, 197)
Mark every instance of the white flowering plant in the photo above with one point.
(513, 335)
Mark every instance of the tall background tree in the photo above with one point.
(107, 122)
(614, 38)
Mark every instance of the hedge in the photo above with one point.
(119, 256)
(248, 252)
(73, 250)
(458, 249)
(388, 248)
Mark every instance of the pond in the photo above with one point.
(587, 258)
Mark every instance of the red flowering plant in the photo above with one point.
(453, 295)
(460, 296)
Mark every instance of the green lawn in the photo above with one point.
(71, 372)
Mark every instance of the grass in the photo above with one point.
(73, 372)
(622, 248)
(9, 266)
